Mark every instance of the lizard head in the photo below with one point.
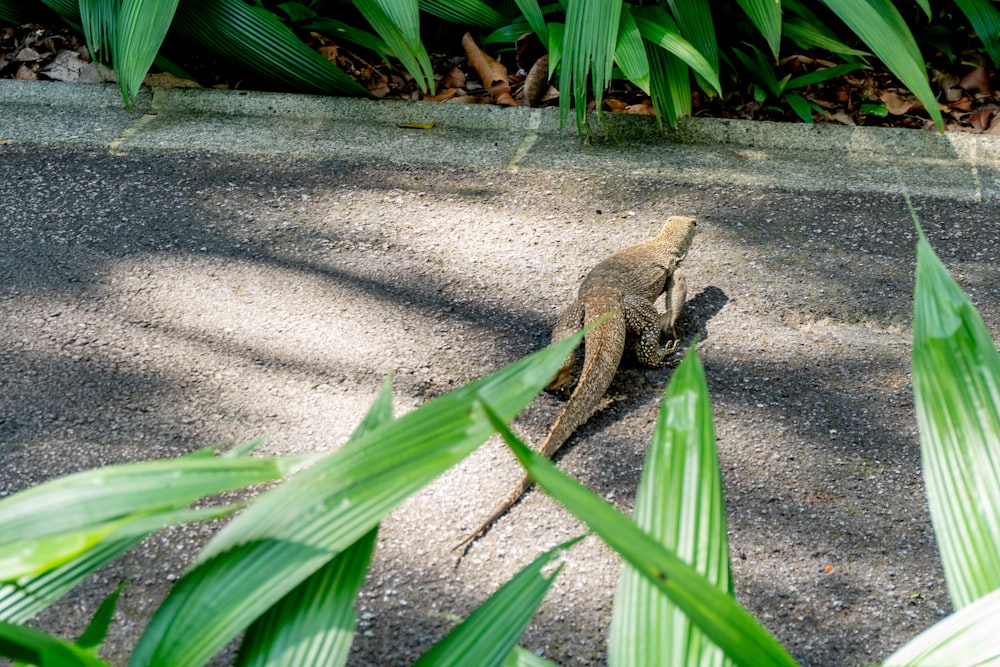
(679, 232)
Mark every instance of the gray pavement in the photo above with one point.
(215, 266)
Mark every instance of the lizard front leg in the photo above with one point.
(675, 294)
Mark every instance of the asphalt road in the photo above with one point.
(215, 267)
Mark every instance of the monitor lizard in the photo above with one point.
(623, 286)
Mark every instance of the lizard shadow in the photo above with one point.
(698, 311)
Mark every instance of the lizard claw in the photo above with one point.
(671, 347)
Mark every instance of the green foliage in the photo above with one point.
(97, 631)
(315, 622)
(585, 39)
(630, 52)
(672, 76)
(588, 46)
(256, 38)
(879, 25)
(766, 16)
(471, 12)
(694, 18)
(670, 86)
(32, 647)
(142, 27)
(985, 19)
(398, 23)
(805, 29)
(281, 538)
(72, 514)
(349, 33)
(956, 374)
(966, 637)
(770, 86)
(97, 17)
(534, 17)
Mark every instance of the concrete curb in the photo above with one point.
(621, 127)
(765, 154)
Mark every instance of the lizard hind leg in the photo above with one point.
(647, 325)
(570, 321)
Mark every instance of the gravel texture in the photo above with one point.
(154, 304)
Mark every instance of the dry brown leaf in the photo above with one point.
(964, 104)
(500, 92)
(897, 104)
(980, 120)
(536, 84)
(614, 105)
(454, 79)
(379, 85)
(491, 73)
(823, 104)
(68, 66)
(953, 94)
(842, 118)
(28, 55)
(977, 81)
(643, 108)
(331, 53)
(444, 95)
(948, 83)
(168, 80)
(994, 127)
(25, 73)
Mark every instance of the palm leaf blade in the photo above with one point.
(245, 34)
(956, 384)
(985, 19)
(488, 635)
(141, 27)
(588, 45)
(679, 503)
(314, 623)
(766, 16)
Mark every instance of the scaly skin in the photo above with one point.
(624, 286)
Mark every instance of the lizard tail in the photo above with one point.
(501, 509)
(603, 350)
